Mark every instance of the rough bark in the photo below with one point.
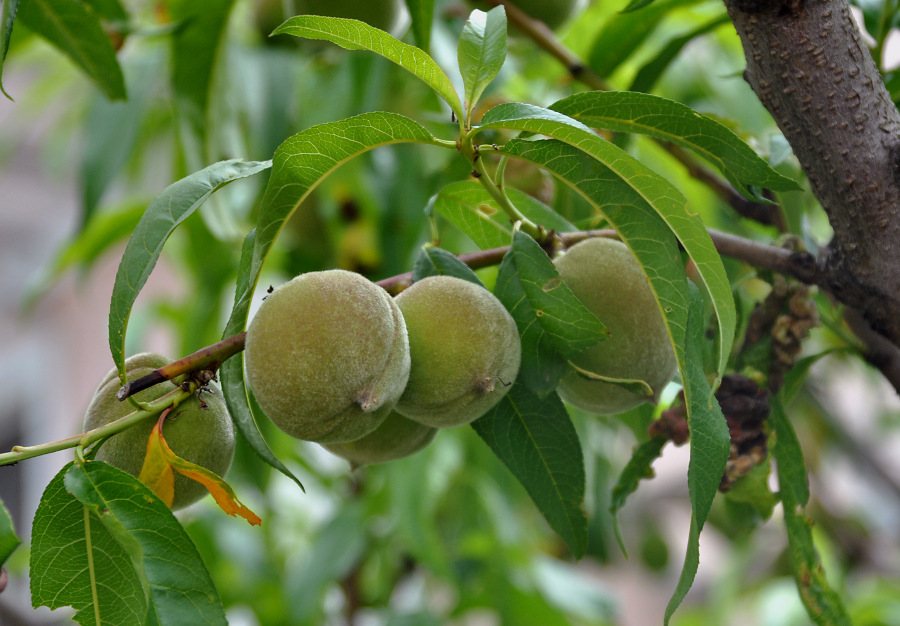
(808, 66)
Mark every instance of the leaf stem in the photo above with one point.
(82, 440)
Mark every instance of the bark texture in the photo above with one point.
(807, 64)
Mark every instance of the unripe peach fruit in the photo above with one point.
(204, 436)
(464, 347)
(397, 437)
(606, 277)
(327, 356)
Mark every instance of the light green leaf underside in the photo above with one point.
(165, 213)
(356, 35)
(640, 186)
(468, 206)
(179, 588)
(661, 118)
(536, 440)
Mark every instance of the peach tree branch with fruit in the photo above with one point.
(385, 374)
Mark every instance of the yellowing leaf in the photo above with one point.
(156, 472)
(220, 490)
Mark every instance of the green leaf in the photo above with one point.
(468, 206)
(438, 262)
(641, 186)
(8, 538)
(647, 76)
(76, 561)
(10, 8)
(300, 164)
(637, 468)
(536, 440)
(481, 52)
(624, 33)
(231, 375)
(634, 5)
(178, 585)
(356, 35)
(75, 30)
(553, 324)
(710, 444)
(165, 213)
(631, 112)
(195, 48)
(422, 13)
(822, 603)
(637, 224)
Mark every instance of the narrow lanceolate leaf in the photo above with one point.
(710, 445)
(76, 561)
(221, 491)
(437, 262)
(177, 585)
(300, 164)
(422, 14)
(231, 376)
(468, 206)
(641, 187)
(639, 467)
(356, 35)
(165, 213)
(10, 8)
(74, 29)
(536, 440)
(481, 52)
(8, 538)
(553, 323)
(822, 603)
(631, 112)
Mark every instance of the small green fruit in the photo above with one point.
(464, 347)
(202, 436)
(327, 356)
(607, 279)
(397, 437)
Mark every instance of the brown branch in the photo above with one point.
(808, 66)
(800, 265)
(879, 352)
(208, 358)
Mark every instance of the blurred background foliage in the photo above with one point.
(448, 536)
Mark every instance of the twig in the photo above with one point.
(879, 352)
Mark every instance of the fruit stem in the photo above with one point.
(81, 441)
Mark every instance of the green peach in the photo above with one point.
(397, 437)
(327, 356)
(204, 436)
(606, 277)
(464, 347)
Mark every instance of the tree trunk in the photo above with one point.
(807, 64)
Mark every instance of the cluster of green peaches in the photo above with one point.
(332, 358)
